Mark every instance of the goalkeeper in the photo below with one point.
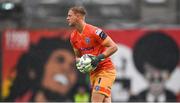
(92, 41)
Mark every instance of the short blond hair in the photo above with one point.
(79, 9)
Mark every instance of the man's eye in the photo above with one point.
(60, 59)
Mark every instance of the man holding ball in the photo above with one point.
(90, 42)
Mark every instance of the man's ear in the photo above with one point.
(79, 16)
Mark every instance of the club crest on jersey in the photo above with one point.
(87, 39)
(97, 88)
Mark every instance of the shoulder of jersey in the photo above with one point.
(94, 29)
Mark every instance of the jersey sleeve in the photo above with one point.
(100, 35)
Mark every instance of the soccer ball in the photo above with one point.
(84, 60)
(84, 64)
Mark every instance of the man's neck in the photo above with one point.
(80, 26)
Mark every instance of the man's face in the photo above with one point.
(59, 75)
(72, 18)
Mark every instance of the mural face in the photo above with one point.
(59, 75)
(156, 78)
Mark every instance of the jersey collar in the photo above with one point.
(82, 30)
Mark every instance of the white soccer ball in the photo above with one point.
(84, 60)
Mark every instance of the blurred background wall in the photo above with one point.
(108, 14)
(147, 33)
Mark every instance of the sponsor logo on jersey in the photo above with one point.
(86, 49)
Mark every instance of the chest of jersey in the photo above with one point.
(85, 42)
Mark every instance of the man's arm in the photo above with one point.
(110, 45)
(107, 42)
(78, 65)
(77, 54)
(111, 48)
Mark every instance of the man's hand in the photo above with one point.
(96, 59)
(89, 66)
(79, 67)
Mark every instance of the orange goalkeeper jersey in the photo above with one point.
(89, 42)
